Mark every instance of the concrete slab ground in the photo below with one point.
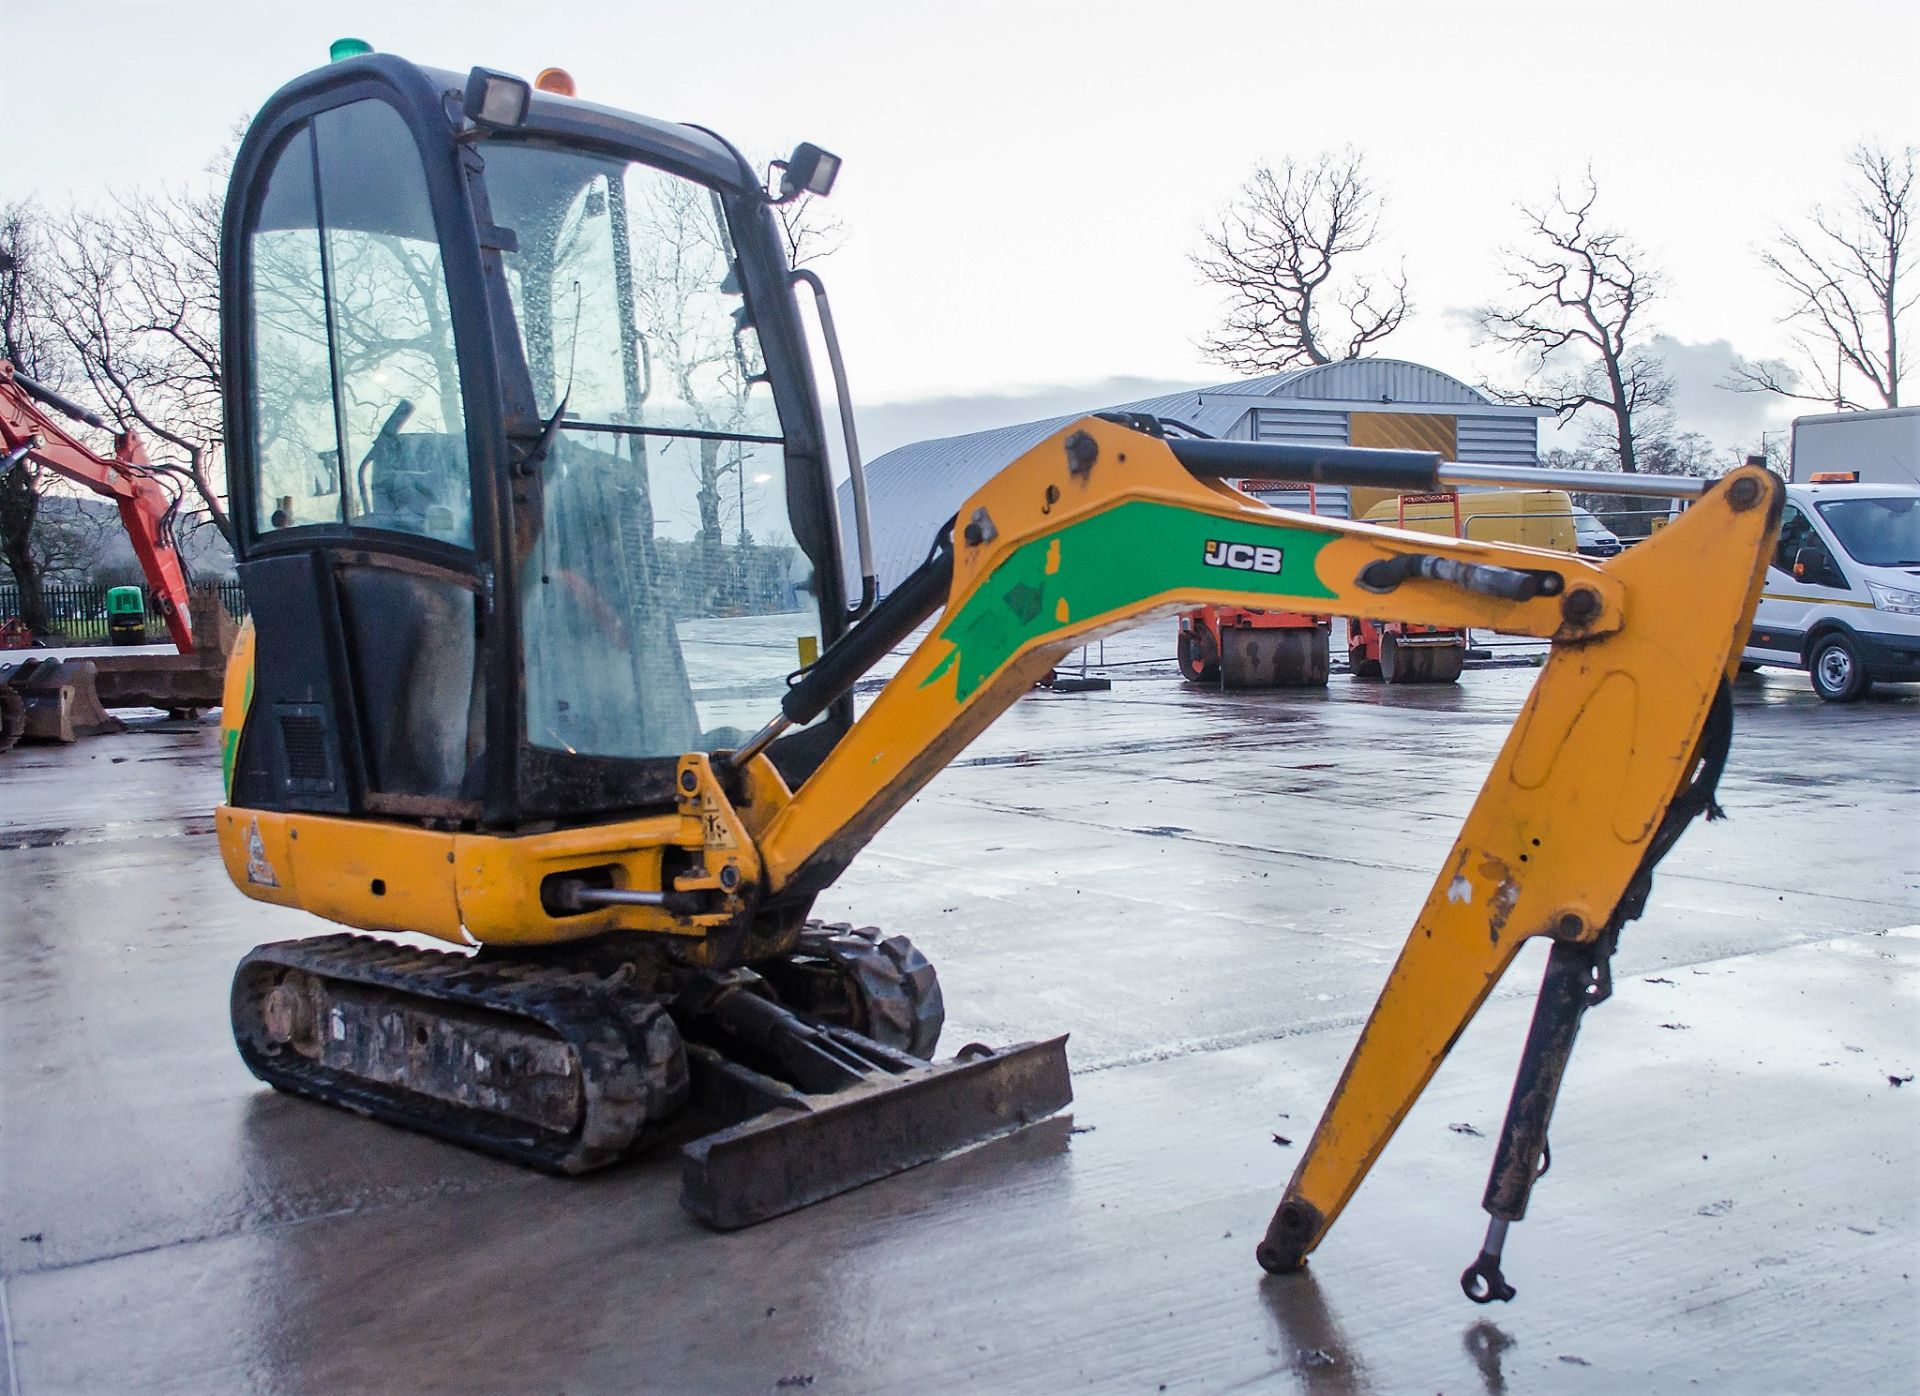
(1206, 892)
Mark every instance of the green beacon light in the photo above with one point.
(342, 49)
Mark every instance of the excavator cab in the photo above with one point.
(534, 516)
(529, 488)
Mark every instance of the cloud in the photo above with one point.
(1716, 412)
(1730, 420)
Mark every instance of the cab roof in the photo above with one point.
(691, 150)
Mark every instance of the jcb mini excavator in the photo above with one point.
(533, 505)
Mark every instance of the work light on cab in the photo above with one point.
(809, 170)
(496, 101)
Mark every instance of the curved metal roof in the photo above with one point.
(913, 489)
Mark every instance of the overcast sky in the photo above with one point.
(1024, 181)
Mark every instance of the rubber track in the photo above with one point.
(629, 1055)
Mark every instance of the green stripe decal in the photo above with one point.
(230, 738)
(1109, 562)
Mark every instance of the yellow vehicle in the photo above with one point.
(533, 510)
(1528, 518)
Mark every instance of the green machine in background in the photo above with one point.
(126, 615)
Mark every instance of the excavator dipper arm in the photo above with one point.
(1100, 528)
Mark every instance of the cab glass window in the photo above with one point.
(296, 452)
(356, 387)
(661, 592)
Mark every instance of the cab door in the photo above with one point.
(354, 488)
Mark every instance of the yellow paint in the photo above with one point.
(1060, 608)
(1405, 431)
(236, 698)
(1605, 741)
(1053, 559)
(486, 887)
(1398, 431)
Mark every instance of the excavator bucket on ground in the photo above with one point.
(58, 699)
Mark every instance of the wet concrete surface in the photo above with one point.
(1206, 892)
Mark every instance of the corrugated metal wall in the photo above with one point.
(1499, 440)
(1308, 426)
(1331, 500)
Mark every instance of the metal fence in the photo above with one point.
(77, 614)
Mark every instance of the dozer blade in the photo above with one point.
(828, 1144)
(1276, 658)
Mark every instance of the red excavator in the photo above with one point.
(147, 507)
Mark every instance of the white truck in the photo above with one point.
(1873, 448)
(1841, 598)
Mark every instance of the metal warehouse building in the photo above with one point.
(1362, 402)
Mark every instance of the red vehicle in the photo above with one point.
(126, 477)
(1236, 647)
(1402, 653)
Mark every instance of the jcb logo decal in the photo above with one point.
(1243, 557)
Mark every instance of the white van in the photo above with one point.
(1842, 596)
(1593, 538)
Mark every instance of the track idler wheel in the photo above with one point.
(856, 977)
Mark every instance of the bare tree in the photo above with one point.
(137, 288)
(1575, 316)
(28, 339)
(1284, 253)
(1843, 274)
(808, 230)
(71, 537)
